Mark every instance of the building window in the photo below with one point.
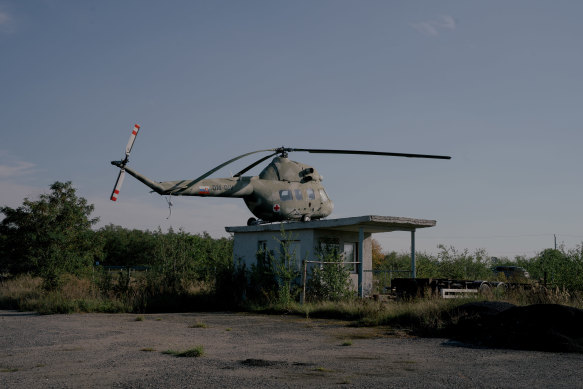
(262, 251)
(350, 254)
(290, 252)
(329, 247)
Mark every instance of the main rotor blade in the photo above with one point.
(193, 182)
(117, 186)
(254, 164)
(362, 152)
(130, 144)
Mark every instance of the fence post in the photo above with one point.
(413, 270)
(360, 262)
(304, 273)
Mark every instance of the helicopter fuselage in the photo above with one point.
(268, 200)
(284, 200)
(284, 190)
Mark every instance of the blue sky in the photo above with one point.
(495, 84)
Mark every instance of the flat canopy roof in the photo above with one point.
(369, 223)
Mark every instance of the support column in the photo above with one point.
(360, 260)
(413, 270)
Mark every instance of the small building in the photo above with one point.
(351, 236)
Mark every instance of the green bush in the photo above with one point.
(330, 280)
(275, 278)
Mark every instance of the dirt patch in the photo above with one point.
(254, 351)
(544, 327)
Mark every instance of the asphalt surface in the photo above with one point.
(254, 351)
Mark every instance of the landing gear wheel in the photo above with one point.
(252, 221)
(306, 218)
(501, 289)
(485, 289)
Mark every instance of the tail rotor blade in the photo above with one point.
(135, 131)
(117, 186)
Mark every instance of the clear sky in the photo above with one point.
(497, 85)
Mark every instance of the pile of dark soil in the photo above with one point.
(543, 327)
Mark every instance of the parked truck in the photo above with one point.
(514, 277)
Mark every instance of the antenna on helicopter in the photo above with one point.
(122, 164)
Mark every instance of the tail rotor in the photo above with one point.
(121, 164)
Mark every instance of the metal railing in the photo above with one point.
(387, 277)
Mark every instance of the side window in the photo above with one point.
(285, 195)
(329, 250)
(298, 194)
(311, 194)
(350, 256)
(323, 195)
(329, 246)
(262, 251)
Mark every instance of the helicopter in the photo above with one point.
(285, 190)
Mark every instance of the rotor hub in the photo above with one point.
(282, 151)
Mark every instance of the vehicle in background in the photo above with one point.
(508, 277)
(512, 273)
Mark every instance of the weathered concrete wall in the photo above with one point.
(306, 243)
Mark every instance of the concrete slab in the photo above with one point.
(370, 224)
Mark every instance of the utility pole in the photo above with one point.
(555, 241)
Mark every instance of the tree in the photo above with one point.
(377, 255)
(124, 247)
(50, 236)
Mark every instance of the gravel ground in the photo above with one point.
(254, 351)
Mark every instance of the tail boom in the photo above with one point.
(213, 187)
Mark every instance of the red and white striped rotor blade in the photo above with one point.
(132, 139)
(117, 186)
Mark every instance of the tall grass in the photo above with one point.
(423, 316)
(75, 294)
(26, 293)
(417, 313)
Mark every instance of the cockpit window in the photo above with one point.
(285, 195)
(323, 195)
(298, 194)
(311, 194)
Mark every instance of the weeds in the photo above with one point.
(198, 325)
(323, 370)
